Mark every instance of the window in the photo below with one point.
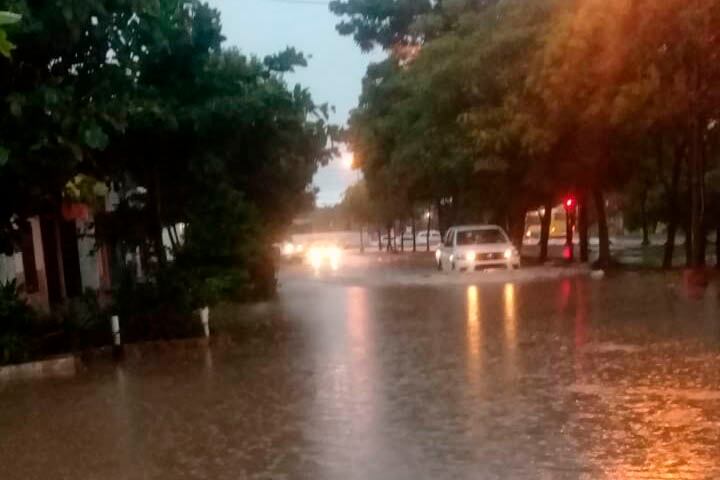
(481, 237)
(449, 238)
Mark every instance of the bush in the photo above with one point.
(17, 325)
(78, 324)
(159, 308)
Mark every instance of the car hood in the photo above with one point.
(484, 248)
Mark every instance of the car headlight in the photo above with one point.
(334, 253)
(438, 253)
(471, 256)
(314, 257)
(288, 249)
(508, 253)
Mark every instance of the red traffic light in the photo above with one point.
(570, 203)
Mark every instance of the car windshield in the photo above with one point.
(480, 237)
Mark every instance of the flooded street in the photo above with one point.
(399, 372)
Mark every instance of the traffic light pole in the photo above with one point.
(570, 211)
(570, 256)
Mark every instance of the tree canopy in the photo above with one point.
(143, 98)
(500, 107)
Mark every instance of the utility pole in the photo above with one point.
(570, 205)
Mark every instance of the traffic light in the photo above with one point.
(570, 204)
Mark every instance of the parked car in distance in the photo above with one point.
(422, 238)
(476, 247)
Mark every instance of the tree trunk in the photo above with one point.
(380, 245)
(545, 222)
(702, 248)
(389, 237)
(414, 235)
(697, 206)
(717, 247)
(672, 211)
(362, 241)
(688, 244)
(644, 221)
(603, 260)
(670, 242)
(583, 228)
(429, 219)
(516, 221)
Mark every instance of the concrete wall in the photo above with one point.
(89, 258)
(11, 268)
(39, 299)
(8, 268)
(94, 270)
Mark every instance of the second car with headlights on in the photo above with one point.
(290, 250)
(476, 247)
(324, 255)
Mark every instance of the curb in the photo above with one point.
(67, 366)
(58, 367)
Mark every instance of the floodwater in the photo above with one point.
(482, 377)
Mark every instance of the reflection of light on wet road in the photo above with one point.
(671, 432)
(335, 381)
(510, 321)
(565, 289)
(474, 334)
(580, 315)
(346, 405)
(357, 318)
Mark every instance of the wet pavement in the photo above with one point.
(370, 373)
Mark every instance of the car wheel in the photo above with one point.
(439, 265)
(452, 266)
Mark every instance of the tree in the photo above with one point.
(141, 96)
(63, 92)
(220, 144)
(357, 206)
(384, 23)
(6, 18)
(441, 125)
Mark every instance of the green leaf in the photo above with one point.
(95, 138)
(15, 102)
(5, 46)
(4, 156)
(8, 18)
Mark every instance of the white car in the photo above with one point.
(422, 238)
(476, 247)
(324, 254)
(290, 251)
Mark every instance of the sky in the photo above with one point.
(335, 67)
